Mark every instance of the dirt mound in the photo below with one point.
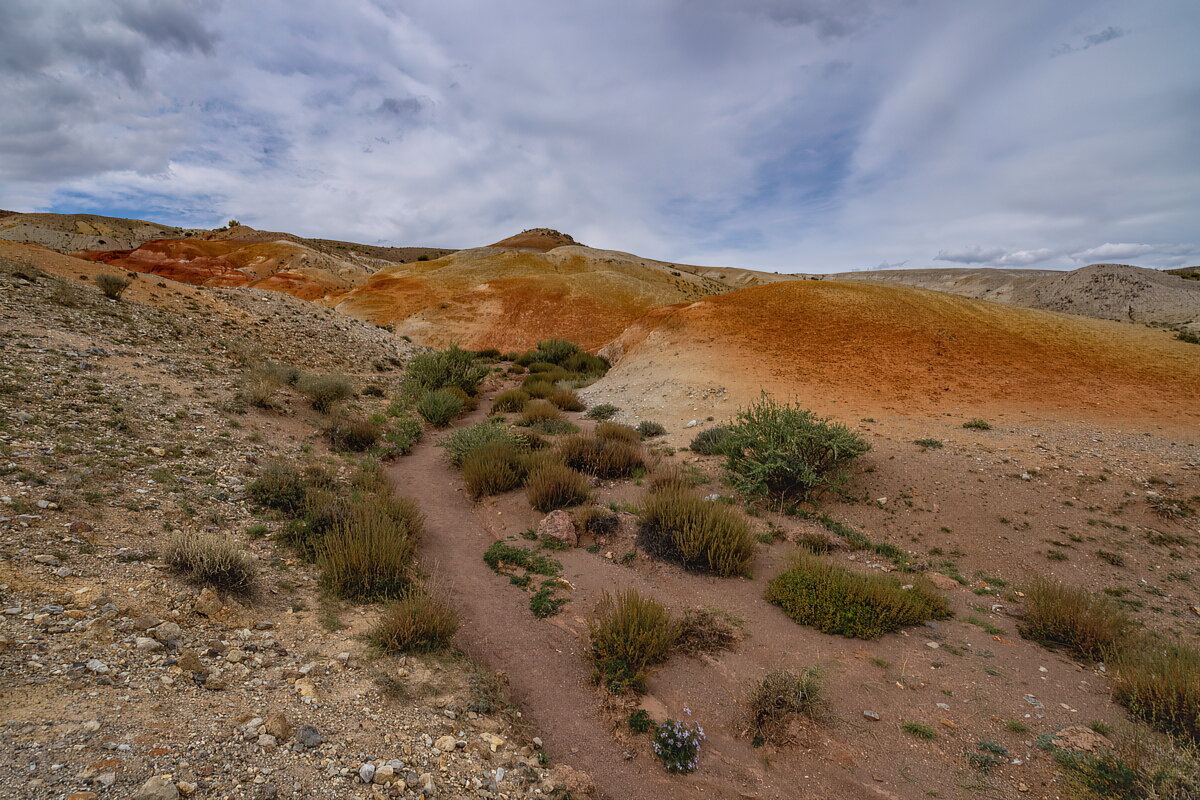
(541, 239)
(510, 298)
(896, 349)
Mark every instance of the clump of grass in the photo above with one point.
(615, 431)
(787, 452)
(711, 442)
(440, 407)
(930, 444)
(324, 391)
(261, 382)
(597, 521)
(602, 411)
(493, 468)
(1188, 336)
(1116, 559)
(279, 486)
(978, 424)
(629, 634)
(708, 630)
(450, 368)
(513, 400)
(537, 411)
(352, 432)
(368, 554)
(414, 623)
(778, 697)
(602, 457)
(1169, 507)
(1064, 616)
(1160, 684)
(566, 399)
(556, 486)
(212, 560)
(836, 600)
(462, 441)
(640, 721)
(1142, 766)
(816, 541)
(538, 386)
(113, 286)
(679, 525)
(649, 430)
(544, 602)
(919, 730)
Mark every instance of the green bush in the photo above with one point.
(1188, 336)
(629, 633)
(1160, 684)
(440, 407)
(324, 391)
(555, 351)
(780, 695)
(368, 554)
(836, 600)
(538, 386)
(1089, 626)
(212, 560)
(539, 411)
(586, 364)
(353, 433)
(279, 486)
(602, 411)
(679, 525)
(978, 424)
(930, 444)
(493, 468)
(402, 435)
(711, 441)
(604, 458)
(555, 486)
(445, 369)
(649, 430)
(415, 623)
(786, 452)
(566, 399)
(513, 400)
(464, 440)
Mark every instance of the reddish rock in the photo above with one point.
(558, 525)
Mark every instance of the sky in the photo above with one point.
(786, 135)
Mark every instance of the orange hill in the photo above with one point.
(900, 349)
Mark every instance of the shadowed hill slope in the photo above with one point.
(904, 350)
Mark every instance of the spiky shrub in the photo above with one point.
(566, 399)
(211, 559)
(464, 440)
(444, 369)
(279, 486)
(679, 525)
(539, 411)
(555, 351)
(708, 630)
(493, 468)
(113, 286)
(538, 387)
(556, 486)
(324, 391)
(415, 623)
(786, 452)
(368, 555)
(354, 433)
(440, 407)
(512, 400)
(778, 697)
(711, 442)
(677, 745)
(597, 521)
(617, 432)
(648, 429)
(604, 458)
(1160, 684)
(602, 411)
(838, 601)
(629, 634)
(1087, 625)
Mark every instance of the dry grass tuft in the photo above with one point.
(708, 630)
(415, 623)
(494, 468)
(513, 400)
(537, 411)
(324, 391)
(604, 458)
(679, 525)
(778, 697)
(1160, 684)
(566, 399)
(368, 554)
(213, 560)
(552, 486)
(629, 634)
(1091, 627)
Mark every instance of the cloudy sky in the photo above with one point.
(790, 135)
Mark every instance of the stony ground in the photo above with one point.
(121, 422)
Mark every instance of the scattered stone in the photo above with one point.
(208, 604)
(167, 632)
(873, 715)
(147, 645)
(190, 662)
(308, 736)
(366, 773)
(97, 666)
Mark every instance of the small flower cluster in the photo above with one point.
(677, 744)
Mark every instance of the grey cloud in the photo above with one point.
(996, 257)
(1091, 40)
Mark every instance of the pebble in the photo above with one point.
(308, 736)
(446, 744)
(97, 666)
(872, 715)
(147, 645)
(366, 773)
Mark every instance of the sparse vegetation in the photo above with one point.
(708, 630)
(836, 600)
(324, 391)
(778, 697)
(513, 400)
(367, 554)
(440, 407)
(1064, 616)
(211, 559)
(919, 730)
(1160, 684)
(113, 286)
(978, 424)
(279, 486)
(1188, 336)
(649, 430)
(679, 525)
(597, 521)
(615, 431)
(677, 745)
(602, 411)
(629, 634)
(556, 486)
(493, 468)
(414, 623)
(930, 444)
(604, 458)
(566, 399)
(352, 432)
(711, 442)
(462, 441)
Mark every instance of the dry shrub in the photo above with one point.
(513, 400)
(354, 433)
(836, 600)
(1160, 684)
(615, 431)
(629, 634)
(368, 554)
(211, 559)
(708, 630)
(261, 382)
(324, 391)
(538, 386)
(604, 458)
(556, 486)
(679, 525)
(648, 429)
(816, 541)
(493, 468)
(597, 521)
(711, 441)
(462, 441)
(279, 486)
(539, 411)
(567, 400)
(113, 286)
(469, 402)
(415, 623)
(536, 459)
(1064, 616)
(602, 411)
(780, 695)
